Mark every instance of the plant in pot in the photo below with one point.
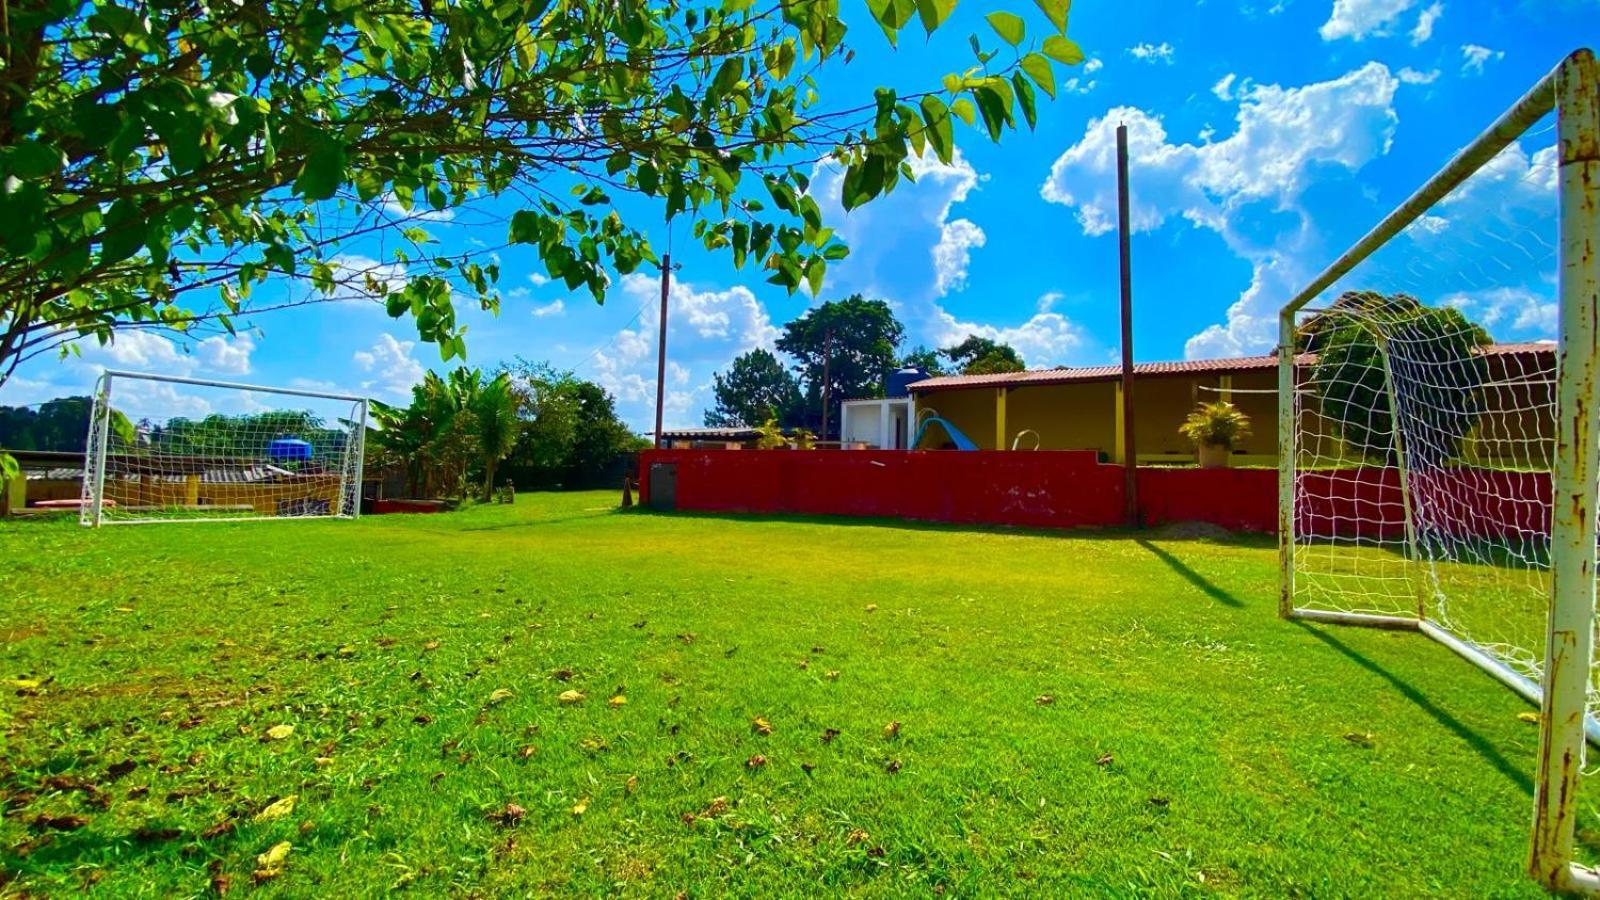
(1216, 429)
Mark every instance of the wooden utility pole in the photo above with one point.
(661, 346)
(1130, 458)
(827, 356)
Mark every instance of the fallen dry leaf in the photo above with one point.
(1360, 738)
(892, 766)
(1104, 760)
(580, 807)
(755, 762)
(569, 698)
(828, 734)
(891, 730)
(277, 809)
(279, 732)
(500, 696)
(527, 751)
(431, 645)
(872, 607)
(760, 725)
(833, 674)
(617, 701)
(1532, 718)
(1045, 699)
(509, 816)
(857, 836)
(275, 856)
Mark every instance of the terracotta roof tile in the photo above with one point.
(1068, 375)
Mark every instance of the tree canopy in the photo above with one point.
(983, 356)
(857, 357)
(756, 387)
(1437, 371)
(170, 163)
(926, 359)
(571, 435)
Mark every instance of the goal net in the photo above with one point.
(1437, 434)
(163, 448)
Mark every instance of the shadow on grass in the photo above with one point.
(1476, 741)
(1235, 539)
(1205, 585)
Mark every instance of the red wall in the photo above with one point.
(1070, 489)
(1049, 489)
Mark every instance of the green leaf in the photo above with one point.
(620, 160)
(1056, 11)
(964, 110)
(1063, 50)
(124, 234)
(31, 159)
(1025, 98)
(323, 172)
(525, 227)
(814, 272)
(940, 129)
(1040, 70)
(934, 12)
(1009, 26)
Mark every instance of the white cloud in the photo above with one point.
(1092, 66)
(1224, 87)
(538, 279)
(1281, 134)
(1359, 19)
(553, 308)
(225, 356)
(1423, 30)
(1509, 312)
(419, 212)
(1152, 53)
(392, 368)
(1409, 75)
(953, 252)
(358, 277)
(1045, 339)
(1474, 56)
(706, 330)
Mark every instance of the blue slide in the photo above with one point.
(962, 442)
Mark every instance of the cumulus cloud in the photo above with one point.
(1280, 135)
(1045, 339)
(1474, 56)
(953, 252)
(1509, 312)
(225, 356)
(1423, 30)
(391, 367)
(1360, 19)
(706, 329)
(1152, 53)
(1409, 75)
(553, 308)
(419, 212)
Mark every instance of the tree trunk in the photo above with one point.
(488, 478)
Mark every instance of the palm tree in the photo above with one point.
(495, 406)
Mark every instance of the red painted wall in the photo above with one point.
(1071, 489)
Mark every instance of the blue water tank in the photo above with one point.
(288, 449)
(901, 380)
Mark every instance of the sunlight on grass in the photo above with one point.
(555, 696)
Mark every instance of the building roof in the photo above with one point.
(1230, 366)
(734, 433)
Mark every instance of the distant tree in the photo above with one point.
(858, 358)
(1433, 354)
(756, 388)
(924, 358)
(59, 424)
(982, 356)
(571, 435)
(494, 405)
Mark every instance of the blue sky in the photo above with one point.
(1266, 136)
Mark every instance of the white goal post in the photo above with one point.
(1432, 481)
(164, 448)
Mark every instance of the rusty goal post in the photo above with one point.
(1433, 479)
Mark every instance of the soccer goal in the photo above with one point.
(162, 449)
(1434, 480)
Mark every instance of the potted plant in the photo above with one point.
(1216, 429)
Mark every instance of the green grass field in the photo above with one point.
(1079, 714)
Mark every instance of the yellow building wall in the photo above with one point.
(1083, 415)
(263, 499)
(972, 411)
